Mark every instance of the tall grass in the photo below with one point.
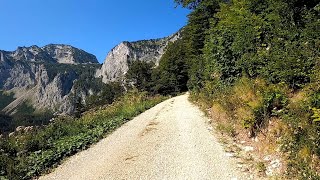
(248, 107)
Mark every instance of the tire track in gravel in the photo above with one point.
(169, 141)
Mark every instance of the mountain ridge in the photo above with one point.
(48, 71)
(54, 53)
(46, 76)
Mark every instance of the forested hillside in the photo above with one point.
(257, 63)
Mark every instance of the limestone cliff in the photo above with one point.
(118, 59)
(43, 76)
(47, 77)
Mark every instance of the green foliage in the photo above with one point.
(171, 76)
(316, 115)
(233, 39)
(82, 70)
(25, 115)
(5, 123)
(107, 94)
(196, 4)
(274, 43)
(5, 99)
(79, 107)
(256, 38)
(139, 75)
(188, 3)
(89, 91)
(273, 104)
(227, 128)
(261, 167)
(301, 141)
(28, 154)
(315, 99)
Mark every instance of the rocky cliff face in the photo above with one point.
(46, 76)
(26, 72)
(54, 53)
(117, 62)
(69, 55)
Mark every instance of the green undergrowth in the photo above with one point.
(249, 106)
(5, 99)
(256, 69)
(25, 115)
(29, 154)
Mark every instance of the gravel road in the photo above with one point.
(169, 141)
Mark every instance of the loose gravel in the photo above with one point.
(170, 141)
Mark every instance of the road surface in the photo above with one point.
(169, 141)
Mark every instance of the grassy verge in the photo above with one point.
(284, 121)
(28, 154)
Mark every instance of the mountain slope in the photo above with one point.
(48, 73)
(54, 53)
(117, 62)
(51, 71)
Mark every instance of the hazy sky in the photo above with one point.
(95, 26)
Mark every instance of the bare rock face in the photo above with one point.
(52, 53)
(47, 76)
(66, 54)
(55, 94)
(33, 83)
(32, 54)
(33, 74)
(116, 64)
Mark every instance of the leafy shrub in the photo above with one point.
(171, 76)
(139, 75)
(273, 103)
(315, 100)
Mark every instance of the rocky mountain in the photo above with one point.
(43, 76)
(48, 77)
(119, 58)
(69, 55)
(55, 53)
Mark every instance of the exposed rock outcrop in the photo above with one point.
(116, 64)
(46, 76)
(52, 53)
(66, 54)
(32, 74)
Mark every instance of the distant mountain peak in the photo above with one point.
(67, 54)
(52, 53)
(43, 75)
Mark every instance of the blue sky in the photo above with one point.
(95, 26)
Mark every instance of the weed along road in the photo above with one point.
(169, 141)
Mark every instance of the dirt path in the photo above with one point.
(169, 141)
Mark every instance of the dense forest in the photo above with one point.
(256, 61)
